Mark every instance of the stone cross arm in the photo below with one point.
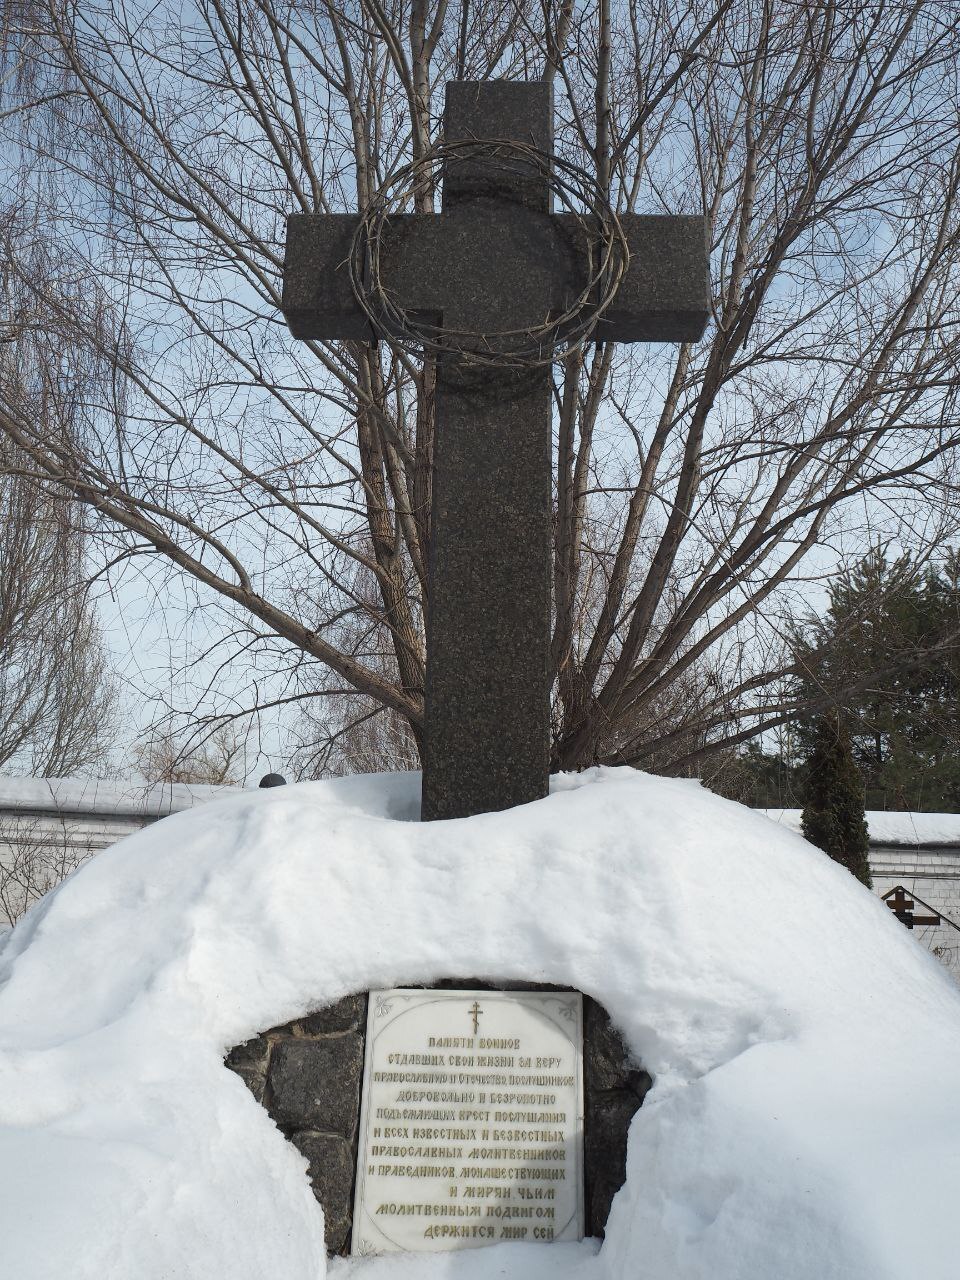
(483, 267)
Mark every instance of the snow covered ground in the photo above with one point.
(804, 1123)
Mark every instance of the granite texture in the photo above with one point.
(318, 299)
(487, 696)
(487, 741)
(331, 1173)
(614, 1088)
(313, 1081)
(308, 1074)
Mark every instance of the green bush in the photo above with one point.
(833, 813)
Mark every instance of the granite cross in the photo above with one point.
(495, 260)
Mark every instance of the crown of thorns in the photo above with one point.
(576, 191)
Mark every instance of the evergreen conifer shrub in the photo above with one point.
(833, 815)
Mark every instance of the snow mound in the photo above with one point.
(804, 1123)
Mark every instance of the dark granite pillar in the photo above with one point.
(488, 660)
(487, 742)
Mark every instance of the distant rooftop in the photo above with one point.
(66, 796)
(925, 830)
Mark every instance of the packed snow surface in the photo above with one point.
(804, 1123)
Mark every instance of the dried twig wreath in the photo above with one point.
(578, 194)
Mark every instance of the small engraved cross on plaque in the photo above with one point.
(476, 1013)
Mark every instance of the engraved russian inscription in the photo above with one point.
(471, 1125)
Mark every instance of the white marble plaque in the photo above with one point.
(471, 1122)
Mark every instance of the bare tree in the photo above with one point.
(700, 490)
(350, 733)
(57, 698)
(34, 858)
(214, 759)
(338, 729)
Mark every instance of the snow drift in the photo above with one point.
(804, 1123)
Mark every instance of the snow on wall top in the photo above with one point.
(884, 828)
(116, 799)
(804, 1121)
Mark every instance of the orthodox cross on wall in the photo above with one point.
(495, 261)
(904, 908)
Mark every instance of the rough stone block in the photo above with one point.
(315, 1084)
(331, 1176)
(606, 1126)
(250, 1061)
(614, 1088)
(606, 1060)
(346, 1015)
